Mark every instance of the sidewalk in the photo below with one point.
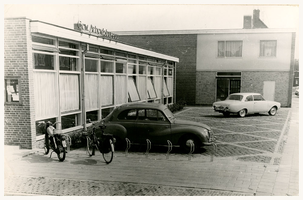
(287, 180)
(137, 174)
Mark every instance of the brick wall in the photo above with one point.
(251, 82)
(206, 87)
(183, 47)
(18, 118)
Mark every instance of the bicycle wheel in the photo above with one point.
(108, 151)
(46, 145)
(46, 150)
(90, 146)
(61, 153)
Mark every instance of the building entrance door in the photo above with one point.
(269, 90)
(227, 86)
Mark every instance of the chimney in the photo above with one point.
(256, 16)
(247, 22)
(257, 22)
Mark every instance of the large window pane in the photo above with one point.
(157, 84)
(142, 87)
(42, 40)
(151, 89)
(229, 48)
(150, 70)
(132, 90)
(107, 90)
(91, 65)
(132, 69)
(120, 67)
(221, 49)
(158, 71)
(233, 49)
(268, 48)
(142, 69)
(165, 88)
(107, 67)
(70, 121)
(91, 116)
(43, 61)
(68, 63)
(46, 95)
(69, 92)
(121, 95)
(68, 45)
(170, 85)
(91, 91)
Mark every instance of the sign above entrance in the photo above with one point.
(93, 30)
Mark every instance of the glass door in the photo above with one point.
(227, 86)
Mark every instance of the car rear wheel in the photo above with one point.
(226, 114)
(242, 113)
(272, 111)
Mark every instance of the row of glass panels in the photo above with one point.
(107, 82)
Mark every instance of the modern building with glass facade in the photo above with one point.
(54, 73)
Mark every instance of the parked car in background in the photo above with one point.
(246, 103)
(141, 121)
(297, 92)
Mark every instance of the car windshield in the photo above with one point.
(235, 97)
(169, 114)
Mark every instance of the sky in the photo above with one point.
(134, 17)
(193, 15)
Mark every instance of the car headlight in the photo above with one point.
(211, 136)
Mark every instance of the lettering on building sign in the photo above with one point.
(93, 30)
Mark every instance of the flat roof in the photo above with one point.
(45, 28)
(204, 31)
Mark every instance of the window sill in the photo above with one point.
(13, 103)
(229, 57)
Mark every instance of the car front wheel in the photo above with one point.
(272, 111)
(189, 143)
(242, 113)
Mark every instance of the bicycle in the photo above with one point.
(105, 144)
(53, 140)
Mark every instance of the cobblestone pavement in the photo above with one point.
(257, 138)
(249, 161)
(54, 187)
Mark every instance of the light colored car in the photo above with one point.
(297, 92)
(246, 103)
(139, 122)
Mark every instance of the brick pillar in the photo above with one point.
(19, 123)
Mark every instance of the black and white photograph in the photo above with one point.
(151, 99)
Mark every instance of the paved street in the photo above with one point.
(256, 155)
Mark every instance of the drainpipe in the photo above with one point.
(175, 83)
(291, 70)
(83, 87)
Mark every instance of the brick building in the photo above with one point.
(214, 63)
(53, 73)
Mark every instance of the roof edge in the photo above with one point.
(204, 31)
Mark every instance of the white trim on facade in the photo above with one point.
(48, 29)
(204, 31)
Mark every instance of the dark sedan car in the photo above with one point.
(155, 122)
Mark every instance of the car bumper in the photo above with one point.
(209, 144)
(221, 108)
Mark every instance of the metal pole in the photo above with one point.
(83, 87)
